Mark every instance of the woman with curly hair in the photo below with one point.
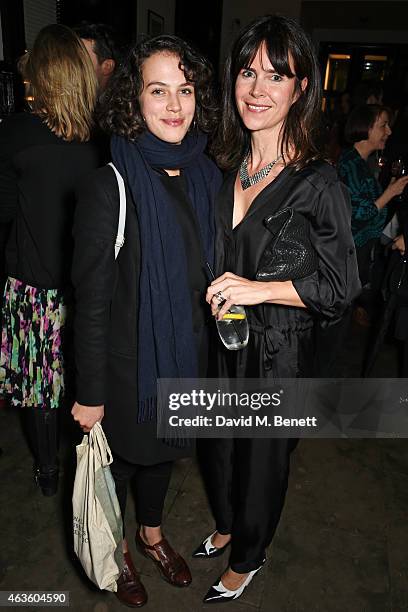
(143, 316)
(43, 153)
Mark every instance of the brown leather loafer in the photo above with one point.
(131, 591)
(171, 565)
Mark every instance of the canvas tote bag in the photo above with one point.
(97, 520)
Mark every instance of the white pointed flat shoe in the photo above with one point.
(218, 593)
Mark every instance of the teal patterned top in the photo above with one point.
(367, 221)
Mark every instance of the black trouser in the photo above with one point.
(370, 272)
(41, 427)
(363, 254)
(246, 482)
(151, 482)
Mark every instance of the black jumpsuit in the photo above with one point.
(247, 478)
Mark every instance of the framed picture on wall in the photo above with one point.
(155, 23)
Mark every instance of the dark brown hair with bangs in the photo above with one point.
(283, 39)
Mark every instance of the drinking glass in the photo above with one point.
(396, 167)
(233, 328)
(403, 172)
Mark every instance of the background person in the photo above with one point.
(101, 43)
(271, 102)
(144, 316)
(367, 129)
(43, 153)
(103, 48)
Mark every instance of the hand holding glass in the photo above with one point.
(233, 327)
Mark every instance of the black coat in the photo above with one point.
(38, 175)
(280, 342)
(106, 321)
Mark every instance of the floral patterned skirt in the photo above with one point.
(31, 362)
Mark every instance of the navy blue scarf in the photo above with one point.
(166, 344)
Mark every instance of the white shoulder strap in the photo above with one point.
(120, 237)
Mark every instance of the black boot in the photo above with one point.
(46, 476)
(42, 431)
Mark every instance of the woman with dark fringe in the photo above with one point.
(271, 102)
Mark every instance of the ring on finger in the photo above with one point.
(221, 299)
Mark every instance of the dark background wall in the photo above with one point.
(384, 15)
(122, 15)
(12, 18)
(204, 32)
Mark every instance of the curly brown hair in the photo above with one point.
(119, 110)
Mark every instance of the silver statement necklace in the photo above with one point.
(248, 181)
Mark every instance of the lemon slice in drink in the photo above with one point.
(229, 316)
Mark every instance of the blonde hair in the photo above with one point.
(61, 82)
